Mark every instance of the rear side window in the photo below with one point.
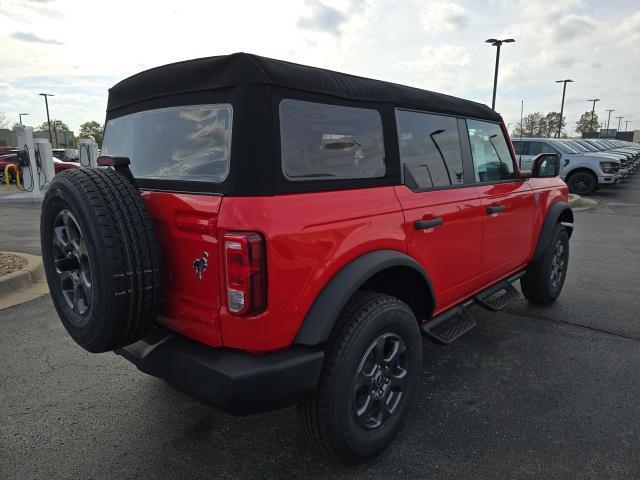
(537, 148)
(179, 143)
(321, 141)
(429, 149)
(491, 156)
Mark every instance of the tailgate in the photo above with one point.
(186, 230)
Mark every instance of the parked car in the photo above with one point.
(59, 165)
(311, 226)
(590, 150)
(66, 154)
(583, 172)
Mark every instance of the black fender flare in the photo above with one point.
(554, 213)
(324, 311)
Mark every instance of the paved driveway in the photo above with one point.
(530, 393)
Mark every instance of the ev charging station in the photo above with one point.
(88, 151)
(28, 165)
(45, 156)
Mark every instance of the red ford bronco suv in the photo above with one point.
(262, 233)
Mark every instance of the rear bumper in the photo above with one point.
(238, 382)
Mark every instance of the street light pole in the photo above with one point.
(20, 115)
(46, 102)
(626, 125)
(609, 118)
(619, 122)
(497, 43)
(593, 110)
(564, 90)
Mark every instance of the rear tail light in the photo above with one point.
(246, 274)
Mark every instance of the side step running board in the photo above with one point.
(497, 297)
(451, 325)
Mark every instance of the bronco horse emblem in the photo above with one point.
(200, 265)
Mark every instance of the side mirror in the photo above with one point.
(546, 165)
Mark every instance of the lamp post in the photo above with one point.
(20, 115)
(593, 110)
(564, 90)
(609, 118)
(626, 125)
(46, 102)
(497, 43)
(619, 122)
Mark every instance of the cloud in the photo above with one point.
(443, 68)
(443, 15)
(33, 38)
(572, 26)
(322, 18)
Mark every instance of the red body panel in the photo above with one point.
(450, 253)
(309, 238)
(185, 226)
(507, 236)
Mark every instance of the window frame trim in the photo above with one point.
(516, 169)
(465, 155)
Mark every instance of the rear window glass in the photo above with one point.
(179, 143)
(321, 141)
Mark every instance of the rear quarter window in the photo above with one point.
(321, 141)
(178, 143)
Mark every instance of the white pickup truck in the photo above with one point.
(583, 172)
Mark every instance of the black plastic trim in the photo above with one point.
(237, 382)
(324, 312)
(547, 228)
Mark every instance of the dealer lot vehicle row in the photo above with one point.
(586, 164)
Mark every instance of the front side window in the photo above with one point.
(178, 143)
(320, 141)
(537, 148)
(430, 149)
(491, 156)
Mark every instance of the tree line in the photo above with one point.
(538, 124)
(90, 128)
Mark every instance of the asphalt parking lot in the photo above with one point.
(530, 393)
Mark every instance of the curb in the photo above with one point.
(580, 203)
(33, 272)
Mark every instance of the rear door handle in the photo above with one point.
(495, 209)
(424, 224)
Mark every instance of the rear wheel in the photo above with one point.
(582, 183)
(372, 367)
(545, 277)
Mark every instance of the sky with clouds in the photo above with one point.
(77, 49)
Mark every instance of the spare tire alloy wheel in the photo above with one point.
(71, 259)
(101, 258)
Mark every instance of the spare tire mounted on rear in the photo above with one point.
(101, 258)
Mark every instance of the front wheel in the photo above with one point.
(545, 277)
(373, 361)
(582, 183)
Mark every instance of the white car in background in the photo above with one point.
(583, 172)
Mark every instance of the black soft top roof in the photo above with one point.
(237, 69)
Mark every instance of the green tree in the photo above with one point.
(92, 128)
(586, 124)
(56, 126)
(533, 125)
(552, 120)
